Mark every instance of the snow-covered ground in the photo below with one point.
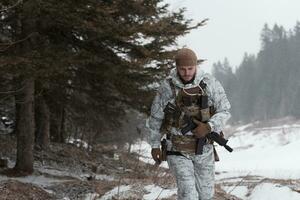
(152, 192)
(34, 179)
(144, 150)
(264, 164)
(263, 159)
(269, 152)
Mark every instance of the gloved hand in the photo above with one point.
(156, 155)
(201, 130)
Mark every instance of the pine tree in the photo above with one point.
(84, 61)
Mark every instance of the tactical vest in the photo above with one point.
(189, 103)
(192, 102)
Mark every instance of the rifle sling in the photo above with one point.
(174, 153)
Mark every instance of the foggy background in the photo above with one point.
(234, 26)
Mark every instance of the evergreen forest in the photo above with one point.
(266, 85)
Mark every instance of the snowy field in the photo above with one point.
(268, 152)
(263, 166)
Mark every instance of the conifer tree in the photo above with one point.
(84, 61)
(267, 85)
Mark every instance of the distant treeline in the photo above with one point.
(266, 85)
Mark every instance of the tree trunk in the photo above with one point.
(17, 116)
(25, 128)
(57, 124)
(42, 118)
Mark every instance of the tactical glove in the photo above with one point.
(202, 130)
(156, 155)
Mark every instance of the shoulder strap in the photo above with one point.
(172, 88)
(202, 84)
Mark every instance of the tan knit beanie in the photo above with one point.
(185, 57)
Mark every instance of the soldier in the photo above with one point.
(188, 93)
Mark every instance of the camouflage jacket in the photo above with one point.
(216, 98)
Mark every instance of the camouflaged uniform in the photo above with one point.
(194, 173)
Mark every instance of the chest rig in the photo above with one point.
(191, 102)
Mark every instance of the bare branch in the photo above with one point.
(14, 43)
(13, 6)
(13, 91)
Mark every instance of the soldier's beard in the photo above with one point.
(186, 82)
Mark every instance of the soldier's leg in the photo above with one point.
(183, 170)
(205, 173)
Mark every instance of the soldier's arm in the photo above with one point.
(221, 105)
(157, 114)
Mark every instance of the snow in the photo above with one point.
(238, 191)
(262, 153)
(241, 128)
(115, 192)
(64, 173)
(152, 192)
(274, 192)
(264, 191)
(156, 192)
(153, 64)
(144, 150)
(104, 177)
(268, 152)
(78, 142)
(150, 86)
(37, 180)
(91, 196)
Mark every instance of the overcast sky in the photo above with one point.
(234, 26)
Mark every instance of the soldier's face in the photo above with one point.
(186, 72)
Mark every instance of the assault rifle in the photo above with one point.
(172, 112)
(191, 125)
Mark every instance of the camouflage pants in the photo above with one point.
(194, 174)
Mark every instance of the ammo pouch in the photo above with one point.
(184, 143)
(205, 110)
(188, 144)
